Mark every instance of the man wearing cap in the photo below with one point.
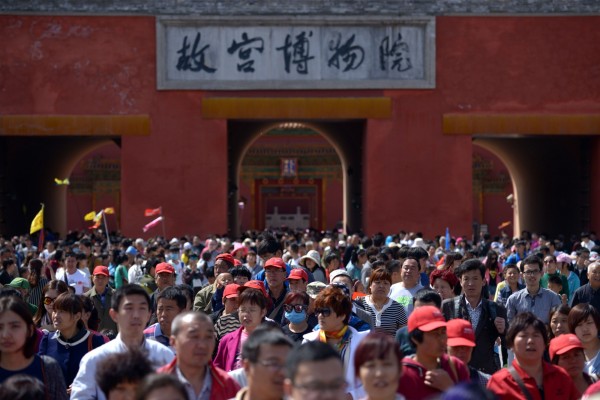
(461, 341)
(430, 371)
(275, 274)
(101, 295)
(589, 293)
(164, 276)
(23, 286)
(297, 280)
(72, 276)
(487, 318)
(202, 302)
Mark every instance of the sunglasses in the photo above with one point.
(296, 307)
(49, 300)
(326, 312)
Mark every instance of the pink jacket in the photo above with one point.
(229, 346)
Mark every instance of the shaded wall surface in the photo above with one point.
(413, 176)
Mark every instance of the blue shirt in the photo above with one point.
(539, 304)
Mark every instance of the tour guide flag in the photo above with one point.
(151, 212)
(89, 216)
(152, 224)
(38, 222)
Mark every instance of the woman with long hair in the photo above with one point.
(72, 340)
(43, 316)
(493, 271)
(18, 341)
(37, 281)
(584, 322)
(558, 318)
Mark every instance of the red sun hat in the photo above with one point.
(101, 270)
(164, 268)
(275, 262)
(564, 343)
(257, 285)
(297, 274)
(231, 290)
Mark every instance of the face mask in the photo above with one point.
(295, 317)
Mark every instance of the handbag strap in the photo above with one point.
(520, 382)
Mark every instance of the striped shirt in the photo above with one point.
(389, 319)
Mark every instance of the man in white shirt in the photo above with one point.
(130, 309)
(73, 276)
(403, 292)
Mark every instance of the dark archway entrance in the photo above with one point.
(346, 137)
(551, 181)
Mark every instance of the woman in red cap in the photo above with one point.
(567, 351)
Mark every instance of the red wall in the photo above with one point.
(415, 178)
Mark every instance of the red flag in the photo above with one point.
(152, 224)
(151, 212)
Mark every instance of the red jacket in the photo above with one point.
(412, 382)
(557, 384)
(223, 386)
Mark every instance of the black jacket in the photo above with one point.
(485, 332)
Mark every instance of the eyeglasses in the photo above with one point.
(49, 300)
(531, 273)
(296, 307)
(273, 365)
(326, 312)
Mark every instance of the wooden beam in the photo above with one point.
(74, 125)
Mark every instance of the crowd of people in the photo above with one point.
(300, 315)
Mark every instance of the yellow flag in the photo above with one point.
(89, 216)
(98, 216)
(38, 222)
(62, 181)
(109, 210)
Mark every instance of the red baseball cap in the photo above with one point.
(297, 274)
(275, 262)
(231, 290)
(164, 267)
(101, 270)
(564, 343)
(257, 285)
(460, 333)
(228, 258)
(426, 318)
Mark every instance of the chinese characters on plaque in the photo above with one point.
(193, 55)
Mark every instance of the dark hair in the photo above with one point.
(531, 260)
(70, 303)
(426, 295)
(19, 307)
(450, 257)
(35, 272)
(511, 265)
(472, 264)
(187, 291)
(131, 366)
(355, 254)
(380, 274)
(312, 351)
(335, 299)
(296, 295)
(60, 287)
(7, 263)
(418, 253)
(521, 322)
(393, 266)
(416, 336)
(268, 244)
(580, 313)
(251, 347)
(88, 306)
(158, 381)
(128, 290)
(240, 271)
(173, 293)
(445, 275)
(555, 279)
(22, 387)
(254, 297)
(375, 346)
(330, 257)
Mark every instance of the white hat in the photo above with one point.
(187, 246)
(313, 255)
(174, 241)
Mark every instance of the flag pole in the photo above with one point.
(106, 229)
(163, 223)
